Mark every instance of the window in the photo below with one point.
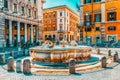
(111, 28)
(23, 10)
(49, 15)
(34, 1)
(60, 20)
(87, 20)
(61, 28)
(97, 0)
(35, 14)
(60, 13)
(15, 8)
(97, 17)
(112, 16)
(54, 15)
(5, 3)
(88, 29)
(29, 12)
(97, 29)
(97, 37)
(87, 1)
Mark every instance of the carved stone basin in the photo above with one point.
(49, 52)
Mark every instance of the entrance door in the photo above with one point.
(112, 38)
(98, 39)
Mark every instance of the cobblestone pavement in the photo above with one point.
(102, 74)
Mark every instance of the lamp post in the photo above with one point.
(87, 24)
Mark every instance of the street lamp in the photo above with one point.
(87, 23)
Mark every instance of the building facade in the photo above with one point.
(20, 22)
(100, 20)
(60, 23)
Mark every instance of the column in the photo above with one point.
(37, 33)
(18, 32)
(8, 4)
(103, 19)
(25, 32)
(10, 33)
(31, 33)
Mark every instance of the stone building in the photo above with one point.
(100, 20)
(20, 22)
(60, 22)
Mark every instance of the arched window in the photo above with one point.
(5, 3)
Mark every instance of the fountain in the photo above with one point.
(62, 53)
(61, 58)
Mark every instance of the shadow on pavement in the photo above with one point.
(109, 68)
(10, 71)
(119, 61)
(77, 74)
(27, 74)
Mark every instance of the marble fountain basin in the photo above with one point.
(62, 53)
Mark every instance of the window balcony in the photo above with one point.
(50, 29)
(85, 24)
(61, 31)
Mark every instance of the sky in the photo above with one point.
(70, 3)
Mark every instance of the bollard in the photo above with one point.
(103, 62)
(109, 53)
(98, 51)
(2, 58)
(10, 64)
(115, 57)
(19, 66)
(26, 66)
(72, 66)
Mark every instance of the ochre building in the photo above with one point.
(100, 20)
(20, 22)
(60, 23)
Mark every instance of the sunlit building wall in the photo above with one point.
(100, 20)
(20, 22)
(60, 23)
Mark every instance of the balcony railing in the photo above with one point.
(50, 29)
(61, 31)
(84, 24)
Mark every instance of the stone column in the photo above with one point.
(10, 33)
(19, 66)
(37, 33)
(31, 33)
(103, 62)
(72, 66)
(115, 57)
(26, 66)
(25, 32)
(18, 32)
(10, 64)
